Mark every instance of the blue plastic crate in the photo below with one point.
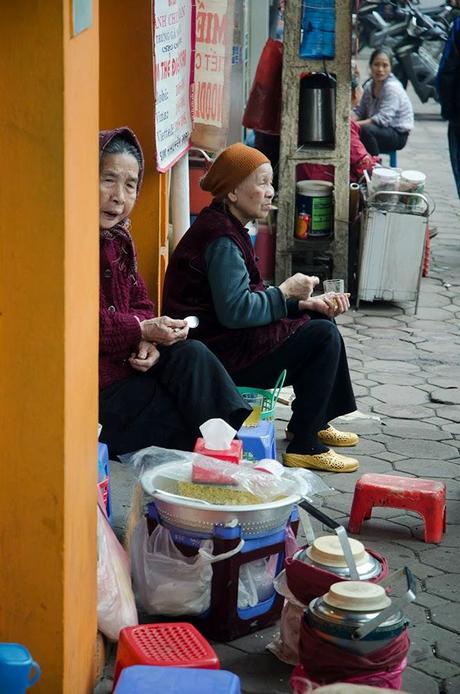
(258, 442)
(145, 679)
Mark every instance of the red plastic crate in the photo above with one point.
(167, 644)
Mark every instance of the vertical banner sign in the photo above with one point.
(173, 64)
(213, 55)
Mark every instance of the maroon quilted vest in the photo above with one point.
(187, 292)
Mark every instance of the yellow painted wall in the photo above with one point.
(127, 98)
(48, 339)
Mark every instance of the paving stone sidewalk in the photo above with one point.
(406, 373)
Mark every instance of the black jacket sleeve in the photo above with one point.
(448, 77)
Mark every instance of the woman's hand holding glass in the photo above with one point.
(331, 304)
(164, 330)
(299, 286)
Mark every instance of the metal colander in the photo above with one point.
(257, 520)
(193, 516)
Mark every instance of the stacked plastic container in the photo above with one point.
(224, 620)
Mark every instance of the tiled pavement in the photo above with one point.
(406, 373)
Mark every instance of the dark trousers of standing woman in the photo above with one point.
(166, 405)
(316, 363)
(453, 134)
(380, 140)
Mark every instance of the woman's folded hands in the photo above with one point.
(146, 356)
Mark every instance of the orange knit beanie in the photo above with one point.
(230, 168)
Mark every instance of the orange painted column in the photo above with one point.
(49, 339)
(127, 98)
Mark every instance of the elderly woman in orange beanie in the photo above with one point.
(258, 331)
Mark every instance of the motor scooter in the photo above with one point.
(417, 41)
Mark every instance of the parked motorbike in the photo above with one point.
(417, 41)
(386, 22)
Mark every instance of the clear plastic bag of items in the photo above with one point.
(219, 482)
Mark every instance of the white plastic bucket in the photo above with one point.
(384, 179)
(412, 181)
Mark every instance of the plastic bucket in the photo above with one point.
(16, 668)
(314, 198)
(384, 179)
(412, 182)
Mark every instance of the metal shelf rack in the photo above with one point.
(290, 154)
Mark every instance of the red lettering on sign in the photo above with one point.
(210, 28)
(209, 101)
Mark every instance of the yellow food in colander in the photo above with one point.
(217, 494)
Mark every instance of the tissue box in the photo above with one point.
(234, 454)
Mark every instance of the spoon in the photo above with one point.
(192, 321)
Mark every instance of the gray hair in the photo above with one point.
(121, 145)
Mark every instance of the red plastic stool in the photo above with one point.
(167, 644)
(426, 497)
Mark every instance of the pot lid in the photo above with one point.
(327, 550)
(357, 596)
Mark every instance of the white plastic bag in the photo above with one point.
(256, 577)
(247, 588)
(285, 644)
(116, 607)
(166, 582)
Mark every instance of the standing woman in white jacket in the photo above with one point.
(385, 113)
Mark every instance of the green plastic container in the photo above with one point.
(270, 396)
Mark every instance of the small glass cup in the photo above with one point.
(256, 402)
(336, 286)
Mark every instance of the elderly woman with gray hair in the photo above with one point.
(257, 331)
(156, 386)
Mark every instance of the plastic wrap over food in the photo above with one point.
(219, 482)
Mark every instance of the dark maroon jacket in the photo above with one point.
(187, 292)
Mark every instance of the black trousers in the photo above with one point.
(316, 363)
(453, 134)
(166, 405)
(380, 140)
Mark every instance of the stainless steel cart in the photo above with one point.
(392, 247)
